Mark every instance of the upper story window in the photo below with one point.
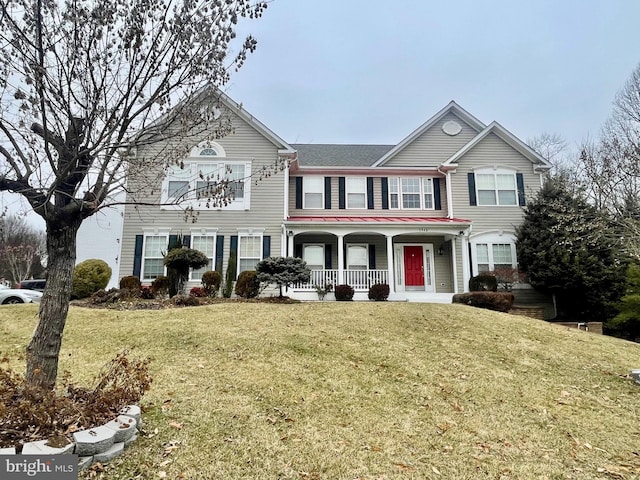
(497, 187)
(313, 192)
(356, 192)
(411, 193)
(208, 176)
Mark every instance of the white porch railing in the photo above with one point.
(363, 279)
(358, 279)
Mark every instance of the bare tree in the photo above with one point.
(82, 85)
(552, 147)
(22, 248)
(610, 167)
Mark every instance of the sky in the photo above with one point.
(372, 71)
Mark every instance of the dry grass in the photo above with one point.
(361, 390)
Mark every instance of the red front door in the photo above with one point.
(413, 267)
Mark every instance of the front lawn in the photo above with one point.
(344, 390)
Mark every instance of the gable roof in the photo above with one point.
(332, 155)
(451, 107)
(237, 108)
(507, 137)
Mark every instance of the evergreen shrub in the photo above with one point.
(211, 282)
(497, 301)
(247, 285)
(89, 277)
(379, 292)
(483, 283)
(344, 293)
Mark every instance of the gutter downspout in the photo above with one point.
(447, 181)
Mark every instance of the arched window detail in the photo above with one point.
(208, 149)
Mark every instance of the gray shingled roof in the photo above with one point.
(327, 155)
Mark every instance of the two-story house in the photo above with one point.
(422, 216)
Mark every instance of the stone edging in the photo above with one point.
(98, 444)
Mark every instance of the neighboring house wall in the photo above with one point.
(264, 215)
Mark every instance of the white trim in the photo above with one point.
(500, 237)
(428, 261)
(204, 232)
(195, 151)
(192, 166)
(494, 171)
(152, 232)
(305, 185)
(347, 192)
(249, 232)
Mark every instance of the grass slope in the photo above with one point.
(361, 391)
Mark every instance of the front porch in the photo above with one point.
(419, 264)
(361, 281)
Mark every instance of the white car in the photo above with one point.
(18, 295)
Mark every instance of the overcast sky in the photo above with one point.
(371, 71)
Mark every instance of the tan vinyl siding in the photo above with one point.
(377, 211)
(491, 151)
(266, 200)
(434, 146)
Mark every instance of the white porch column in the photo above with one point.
(466, 273)
(340, 260)
(390, 265)
(290, 252)
(454, 264)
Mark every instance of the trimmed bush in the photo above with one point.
(344, 293)
(89, 277)
(247, 285)
(211, 282)
(484, 282)
(379, 292)
(160, 286)
(130, 283)
(198, 292)
(178, 262)
(497, 301)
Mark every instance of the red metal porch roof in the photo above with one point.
(438, 220)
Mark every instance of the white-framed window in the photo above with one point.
(313, 254)
(205, 175)
(313, 192)
(493, 251)
(496, 187)
(205, 241)
(249, 251)
(357, 256)
(356, 192)
(411, 193)
(153, 252)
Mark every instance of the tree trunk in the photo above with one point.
(44, 349)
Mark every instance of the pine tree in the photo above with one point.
(627, 323)
(570, 249)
